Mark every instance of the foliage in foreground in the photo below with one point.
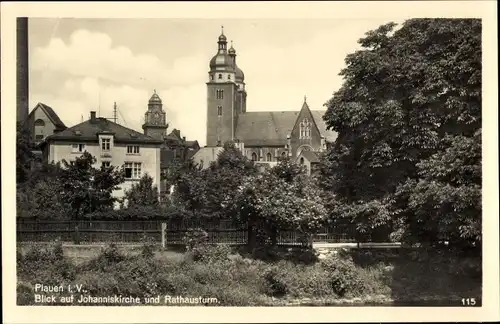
(235, 280)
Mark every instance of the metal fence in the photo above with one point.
(172, 232)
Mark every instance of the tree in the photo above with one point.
(143, 193)
(206, 192)
(406, 93)
(85, 189)
(282, 198)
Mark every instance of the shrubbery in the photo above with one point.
(217, 271)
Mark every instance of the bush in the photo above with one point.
(47, 264)
(195, 237)
(274, 284)
(108, 257)
(344, 278)
(211, 253)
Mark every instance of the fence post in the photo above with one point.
(163, 235)
(77, 235)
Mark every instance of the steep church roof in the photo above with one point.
(270, 128)
(265, 128)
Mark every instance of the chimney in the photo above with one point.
(183, 138)
(92, 116)
(22, 84)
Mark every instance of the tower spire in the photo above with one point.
(305, 99)
(222, 30)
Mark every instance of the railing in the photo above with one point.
(95, 232)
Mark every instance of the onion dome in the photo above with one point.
(239, 75)
(232, 51)
(155, 99)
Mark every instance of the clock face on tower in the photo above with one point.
(156, 118)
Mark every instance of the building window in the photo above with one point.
(39, 137)
(254, 156)
(305, 129)
(219, 110)
(269, 157)
(132, 170)
(229, 76)
(106, 164)
(132, 149)
(78, 148)
(39, 122)
(211, 77)
(220, 94)
(220, 76)
(283, 154)
(106, 144)
(301, 160)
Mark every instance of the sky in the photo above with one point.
(83, 65)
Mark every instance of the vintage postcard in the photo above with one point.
(250, 162)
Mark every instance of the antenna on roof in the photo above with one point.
(115, 117)
(99, 97)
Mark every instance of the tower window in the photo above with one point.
(220, 94)
(219, 110)
(220, 76)
(211, 77)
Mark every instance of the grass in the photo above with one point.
(349, 277)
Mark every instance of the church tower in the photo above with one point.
(155, 121)
(226, 95)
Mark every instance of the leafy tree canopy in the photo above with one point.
(86, 189)
(408, 96)
(143, 193)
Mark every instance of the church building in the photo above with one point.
(262, 136)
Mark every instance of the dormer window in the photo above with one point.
(106, 144)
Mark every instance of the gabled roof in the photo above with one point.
(330, 135)
(51, 114)
(309, 155)
(193, 144)
(265, 127)
(270, 128)
(89, 130)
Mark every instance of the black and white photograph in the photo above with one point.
(257, 162)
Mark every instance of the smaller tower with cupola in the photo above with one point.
(155, 120)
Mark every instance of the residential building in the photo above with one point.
(42, 122)
(112, 145)
(263, 136)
